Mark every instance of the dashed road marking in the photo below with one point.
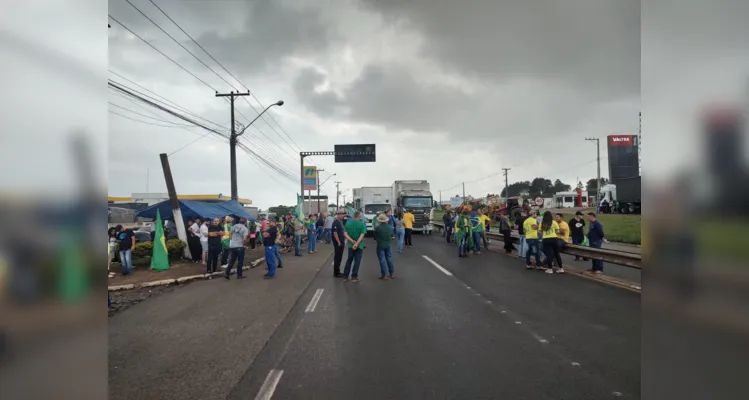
(439, 267)
(269, 386)
(575, 364)
(314, 301)
(540, 339)
(518, 322)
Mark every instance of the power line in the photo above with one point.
(199, 60)
(162, 53)
(144, 122)
(232, 75)
(146, 116)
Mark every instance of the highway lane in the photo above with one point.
(477, 328)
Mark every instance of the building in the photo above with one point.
(569, 199)
(143, 200)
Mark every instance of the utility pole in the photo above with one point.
(233, 142)
(174, 201)
(318, 191)
(440, 198)
(598, 152)
(464, 192)
(507, 187)
(639, 147)
(337, 194)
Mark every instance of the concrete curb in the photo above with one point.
(184, 279)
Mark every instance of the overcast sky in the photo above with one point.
(448, 92)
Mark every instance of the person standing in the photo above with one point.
(384, 237)
(505, 228)
(319, 227)
(215, 231)
(269, 244)
(328, 229)
(239, 234)
(252, 227)
(126, 241)
(595, 238)
(298, 233)
(408, 221)
(484, 221)
(577, 231)
(447, 222)
(463, 234)
(530, 227)
(225, 241)
(311, 238)
(550, 231)
(279, 228)
(339, 242)
(564, 232)
(391, 221)
(355, 231)
(519, 222)
(204, 239)
(400, 231)
(193, 240)
(476, 228)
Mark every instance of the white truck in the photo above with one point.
(415, 196)
(374, 199)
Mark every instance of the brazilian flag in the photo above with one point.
(160, 257)
(299, 211)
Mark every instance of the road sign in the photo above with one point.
(310, 178)
(355, 153)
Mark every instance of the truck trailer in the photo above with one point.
(414, 196)
(374, 199)
(627, 192)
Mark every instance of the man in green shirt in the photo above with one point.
(384, 236)
(355, 231)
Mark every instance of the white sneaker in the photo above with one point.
(549, 271)
(224, 266)
(560, 271)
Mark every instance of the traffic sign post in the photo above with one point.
(343, 153)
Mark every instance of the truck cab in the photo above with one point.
(370, 212)
(420, 204)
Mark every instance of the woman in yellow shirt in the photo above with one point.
(550, 238)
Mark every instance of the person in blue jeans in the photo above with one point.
(595, 238)
(400, 231)
(126, 241)
(269, 244)
(298, 234)
(354, 233)
(311, 235)
(384, 236)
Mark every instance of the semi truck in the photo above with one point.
(416, 197)
(374, 199)
(627, 192)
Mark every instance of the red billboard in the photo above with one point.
(621, 140)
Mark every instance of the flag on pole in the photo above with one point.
(72, 284)
(299, 211)
(160, 257)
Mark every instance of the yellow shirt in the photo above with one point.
(566, 235)
(483, 219)
(551, 233)
(530, 233)
(408, 220)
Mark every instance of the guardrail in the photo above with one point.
(631, 260)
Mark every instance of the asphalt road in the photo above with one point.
(450, 328)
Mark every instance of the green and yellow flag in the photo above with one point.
(160, 257)
(299, 211)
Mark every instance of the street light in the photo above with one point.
(278, 103)
(318, 191)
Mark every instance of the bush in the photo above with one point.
(173, 246)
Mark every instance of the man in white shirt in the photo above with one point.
(204, 238)
(328, 228)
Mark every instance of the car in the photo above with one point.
(142, 236)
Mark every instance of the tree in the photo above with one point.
(516, 189)
(541, 187)
(560, 186)
(281, 210)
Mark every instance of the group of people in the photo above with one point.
(540, 236)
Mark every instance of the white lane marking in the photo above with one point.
(617, 394)
(575, 364)
(439, 267)
(269, 386)
(314, 301)
(540, 339)
(518, 322)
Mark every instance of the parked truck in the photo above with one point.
(414, 196)
(374, 199)
(627, 192)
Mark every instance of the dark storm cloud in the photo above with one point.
(271, 33)
(324, 103)
(595, 43)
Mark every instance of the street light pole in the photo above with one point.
(598, 158)
(233, 141)
(318, 188)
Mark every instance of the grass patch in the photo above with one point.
(618, 227)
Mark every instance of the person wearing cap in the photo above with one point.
(384, 236)
(126, 241)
